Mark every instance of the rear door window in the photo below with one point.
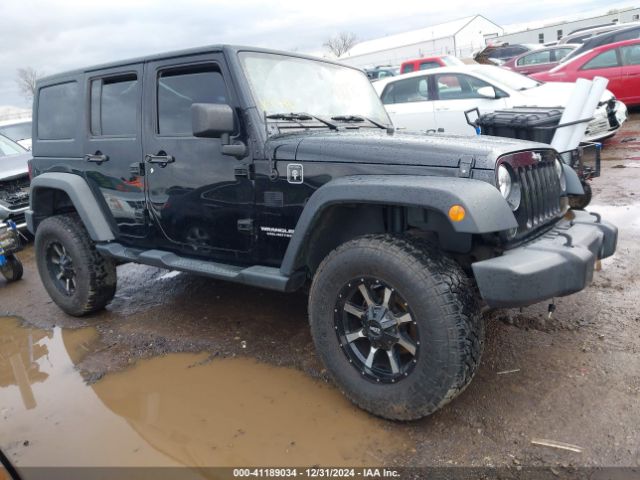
(535, 58)
(429, 65)
(606, 59)
(114, 103)
(630, 55)
(559, 53)
(457, 86)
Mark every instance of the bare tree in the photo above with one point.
(341, 43)
(26, 80)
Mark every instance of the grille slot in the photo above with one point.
(540, 189)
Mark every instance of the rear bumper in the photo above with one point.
(559, 263)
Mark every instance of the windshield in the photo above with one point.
(510, 79)
(7, 147)
(287, 84)
(18, 131)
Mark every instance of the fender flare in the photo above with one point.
(574, 187)
(486, 210)
(82, 198)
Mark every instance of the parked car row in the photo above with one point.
(618, 62)
(435, 100)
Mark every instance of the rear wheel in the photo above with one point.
(76, 276)
(397, 325)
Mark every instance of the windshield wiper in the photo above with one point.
(358, 118)
(300, 117)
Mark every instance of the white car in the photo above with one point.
(435, 100)
(17, 130)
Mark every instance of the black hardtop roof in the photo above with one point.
(181, 53)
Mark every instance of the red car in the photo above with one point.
(426, 63)
(540, 60)
(619, 62)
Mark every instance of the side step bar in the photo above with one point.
(257, 275)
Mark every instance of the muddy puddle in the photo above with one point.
(179, 409)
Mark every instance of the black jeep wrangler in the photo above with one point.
(278, 171)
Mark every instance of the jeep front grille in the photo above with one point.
(540, 202)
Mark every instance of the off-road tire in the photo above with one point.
(447, 315)
(580, 202)
(12, 270)
(96, 275)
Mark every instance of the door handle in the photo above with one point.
(97, 157)
(443, 109)
(161, 158)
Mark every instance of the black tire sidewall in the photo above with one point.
(52, 231)
(436, 370)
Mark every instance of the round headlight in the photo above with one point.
(504, 181)
(560, 173)
(509, 188)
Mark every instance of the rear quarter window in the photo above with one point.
(58, 107)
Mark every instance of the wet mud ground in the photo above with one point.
(183, 370)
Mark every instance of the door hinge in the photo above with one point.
(137, 169)
(245, 225)
(246, 172)
(465, 165)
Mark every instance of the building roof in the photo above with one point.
(434, 32)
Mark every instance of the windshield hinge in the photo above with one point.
(465, 165)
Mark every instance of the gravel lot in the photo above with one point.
(203, 357)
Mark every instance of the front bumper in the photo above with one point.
(559, 263)
(17, 215)
(600, 127)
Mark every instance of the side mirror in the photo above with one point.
(487, 92)
(211, 120)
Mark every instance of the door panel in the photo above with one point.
(605, 64)
(113, 150)
(194, 196)
(629, 91)
(407, 102)
(456, 94)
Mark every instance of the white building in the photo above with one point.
(551, 31)
(458, 37)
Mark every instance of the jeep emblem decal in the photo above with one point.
(295, 173)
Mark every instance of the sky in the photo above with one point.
(55, 35)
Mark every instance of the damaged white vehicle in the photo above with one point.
(435, 100)
(14, 181)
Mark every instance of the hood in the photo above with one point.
(378, 147)
(553, 94)
(14, 166)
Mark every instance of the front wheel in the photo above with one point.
(397, 325)
(581, 202)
